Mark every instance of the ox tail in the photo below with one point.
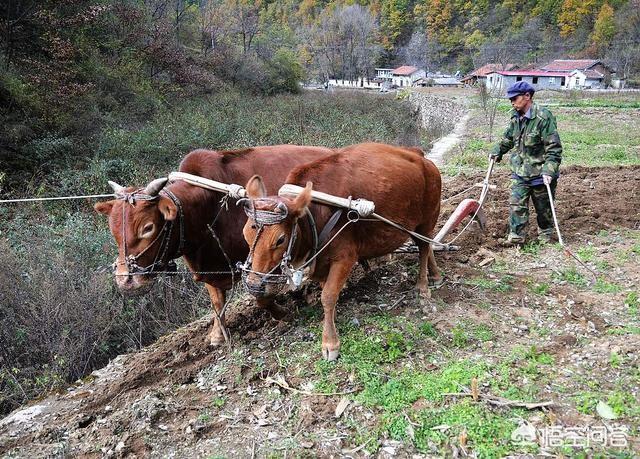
(465, 208)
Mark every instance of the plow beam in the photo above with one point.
(465, 208)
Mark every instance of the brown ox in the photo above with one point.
(145, 221)
(405, 188)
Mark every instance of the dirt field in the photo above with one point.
(509, 325)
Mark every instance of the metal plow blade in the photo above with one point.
(465, 208)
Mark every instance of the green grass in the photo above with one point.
(587, 253)
(539, 288)
(603, 286)
(632, 302)
(571, 276)
(410, 399)
(622, 402)
(503, 285)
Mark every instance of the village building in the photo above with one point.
(479, 75)
(556, 74)
(405, 75)
(538, 78)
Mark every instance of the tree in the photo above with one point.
(604, 28)
(395, 22)
(343, 42)
(573, 15)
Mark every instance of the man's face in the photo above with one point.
(521, 103)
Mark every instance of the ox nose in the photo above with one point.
(125, 281)
(256, 286)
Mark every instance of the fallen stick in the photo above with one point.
(499, 401)
(286, 385)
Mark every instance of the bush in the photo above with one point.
(61, 317)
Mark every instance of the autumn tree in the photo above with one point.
(574, 14)
(604, 28)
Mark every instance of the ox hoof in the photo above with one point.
(216, 338)
(330, 356)
(424, 294)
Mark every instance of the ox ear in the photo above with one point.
(167, 208)
(300, 203)
(104, 207)
(255, 188)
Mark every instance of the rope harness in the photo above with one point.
(288, 274)
(161, 262)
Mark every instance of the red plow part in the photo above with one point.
(465, 208)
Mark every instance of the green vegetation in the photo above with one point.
(632, 302)
(504, 284)
(603, 286)
(572, 276)
(539, 288)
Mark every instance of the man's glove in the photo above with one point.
(546, 179)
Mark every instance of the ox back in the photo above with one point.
(403, 184)
(201, 207)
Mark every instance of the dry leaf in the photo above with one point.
(475, 392)
(260, 412)
(342, 405)
(463, 438)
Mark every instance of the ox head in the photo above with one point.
(138, 220)
(269, 231)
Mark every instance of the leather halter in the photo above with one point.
(162, 261)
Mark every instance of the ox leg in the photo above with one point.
(435, 278)
(423, 281)
(338, 274)
(277, 312)
(218, 329)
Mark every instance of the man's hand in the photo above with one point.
(493, 156)
(546, 179)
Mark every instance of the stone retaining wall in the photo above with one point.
(438, 115)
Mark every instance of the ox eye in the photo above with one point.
(147, 230)
(280, 240)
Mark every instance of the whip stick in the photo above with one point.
(553, 212)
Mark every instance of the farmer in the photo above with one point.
(535, 162)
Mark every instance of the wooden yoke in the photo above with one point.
(362, 206)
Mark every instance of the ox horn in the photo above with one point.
(155, 186)
(116, 188)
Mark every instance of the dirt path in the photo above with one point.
(445, 144)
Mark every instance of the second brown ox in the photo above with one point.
(405, 188)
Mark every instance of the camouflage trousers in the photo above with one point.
(519, 207)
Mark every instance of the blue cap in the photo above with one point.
(520, 87)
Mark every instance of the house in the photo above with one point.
(538, 78)
(479, 75)
(405, 75)
(384, 74)
(586, 79)
(582, 73)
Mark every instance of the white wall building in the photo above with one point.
(404, 76)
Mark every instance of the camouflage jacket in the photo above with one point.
(538, 148)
